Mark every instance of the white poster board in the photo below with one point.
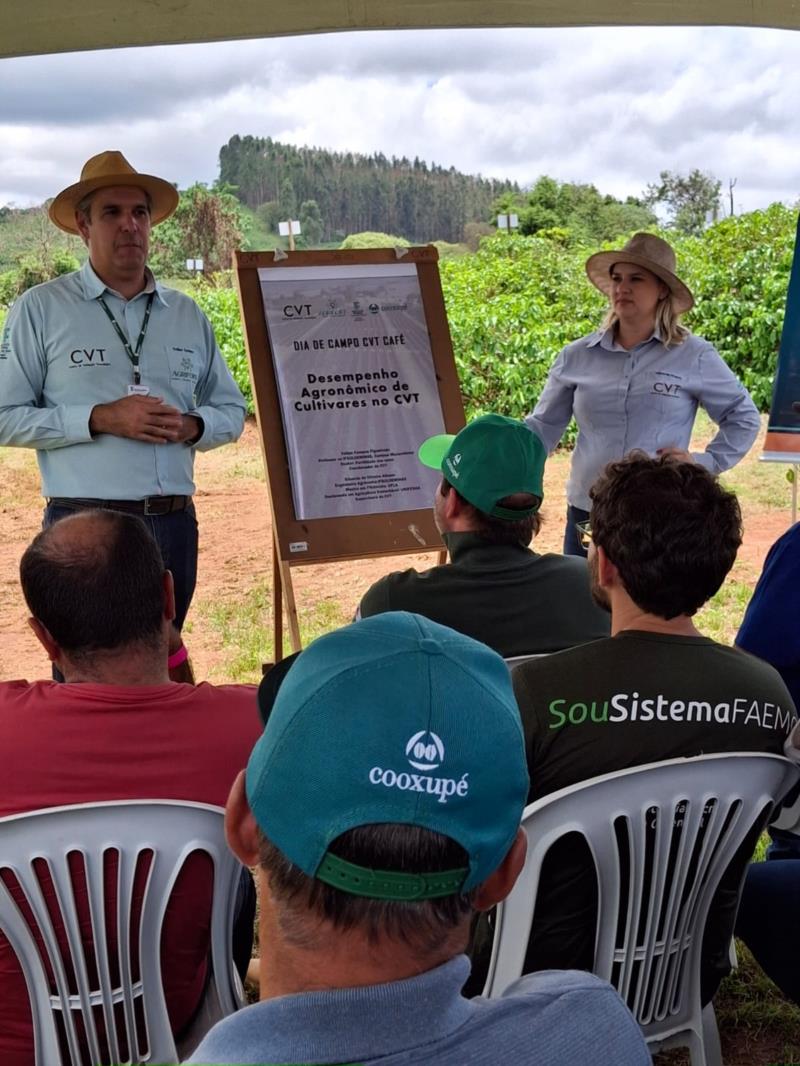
(357, 386)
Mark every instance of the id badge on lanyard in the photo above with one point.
(136, 389)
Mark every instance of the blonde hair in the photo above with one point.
(668, 322)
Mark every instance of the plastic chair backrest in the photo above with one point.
(661, 837)
(789, 815)
(87, 991)
(517, 660)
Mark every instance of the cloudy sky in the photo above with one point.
(608, 106)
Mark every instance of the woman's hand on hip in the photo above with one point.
(680, 455)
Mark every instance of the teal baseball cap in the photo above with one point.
(393, 719)
(491, 458)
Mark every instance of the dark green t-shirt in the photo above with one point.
(629, 700)
(517, 602)
(643, 697)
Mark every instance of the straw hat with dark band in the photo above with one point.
(645, 250)
(103, 171)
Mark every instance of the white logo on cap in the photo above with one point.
(425, 751)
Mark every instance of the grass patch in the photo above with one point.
(257, 237)
(721, 617)
(19, 477)
(757, 1026)
(245, 631)
(748, 1002)
(760, 854)
(249, 466)
(759, 485)
(765, 485)
(18, 459)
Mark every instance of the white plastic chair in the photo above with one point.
(131, 1014)
(789, 817)
(661, 837)
(517, 660)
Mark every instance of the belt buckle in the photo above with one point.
(157, 510)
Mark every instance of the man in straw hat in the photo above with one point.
(114, 378)
(494, 588)
(382, 806)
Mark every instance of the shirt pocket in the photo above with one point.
(599, 404)
(184, 373)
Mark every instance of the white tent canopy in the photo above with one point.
(29, 27)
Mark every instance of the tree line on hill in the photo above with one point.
(351, 193)
(334, 194)
(574, 211)
(374, 200)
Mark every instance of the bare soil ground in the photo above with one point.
(233, 513)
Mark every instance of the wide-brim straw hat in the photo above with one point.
(645, 250)
(101, 172)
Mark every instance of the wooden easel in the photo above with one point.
(336, 539)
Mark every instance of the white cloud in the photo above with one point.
(608, 106)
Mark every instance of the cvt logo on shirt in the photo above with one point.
(664, 388)
(88, 357)
(670, 387)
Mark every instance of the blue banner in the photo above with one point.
(783, 430)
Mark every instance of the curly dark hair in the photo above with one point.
(669, 527)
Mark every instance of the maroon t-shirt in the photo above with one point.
(84, 743)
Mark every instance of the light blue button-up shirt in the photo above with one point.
(60, 356)
(542, 1019)
(646, 398)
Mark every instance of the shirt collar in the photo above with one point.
(462, 545)
(93, 286)
(354, 1024)
(604, 338)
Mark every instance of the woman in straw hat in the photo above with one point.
(637, 381)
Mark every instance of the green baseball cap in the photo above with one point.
(393, 719)
(491, 458)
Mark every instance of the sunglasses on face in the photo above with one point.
(584, 534)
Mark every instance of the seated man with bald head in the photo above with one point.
(102, 605)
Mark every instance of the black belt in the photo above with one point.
(150, 505)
